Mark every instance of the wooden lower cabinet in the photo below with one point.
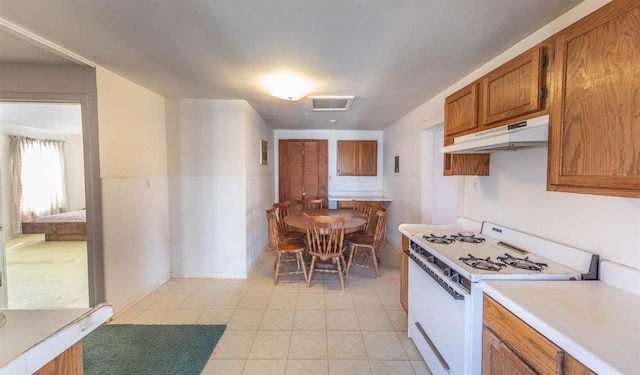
(510, 346)
(68, 362)
(404, 274)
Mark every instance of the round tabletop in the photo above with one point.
(355, 219)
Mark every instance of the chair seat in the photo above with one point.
(291, 246)
(292, 235)
(361, 238)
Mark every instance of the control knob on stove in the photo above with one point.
(431, 259)
(447, 272)
(455, 277)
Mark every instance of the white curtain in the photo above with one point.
(38, 179)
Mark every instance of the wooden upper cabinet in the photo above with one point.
(514, 89)
(357, 158)
(594, 140)
(461, 111)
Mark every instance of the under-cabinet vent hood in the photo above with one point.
(530, 133)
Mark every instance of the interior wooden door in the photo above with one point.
(304, 166)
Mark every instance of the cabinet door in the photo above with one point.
(499, 359)
(367, 158)
(512, 90)
(461, 111)
(347, 158)
(594, 140)
(357, 158)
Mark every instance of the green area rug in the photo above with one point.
(134, 349)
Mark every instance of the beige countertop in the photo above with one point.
(32, 338)
(595, 322)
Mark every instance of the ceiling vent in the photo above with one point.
(331, 103)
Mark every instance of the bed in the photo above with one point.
(68, 226)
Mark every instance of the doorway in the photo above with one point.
(39, 274)
(303, 169)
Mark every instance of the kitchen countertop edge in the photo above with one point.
(61, 338)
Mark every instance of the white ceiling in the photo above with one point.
(393, 55)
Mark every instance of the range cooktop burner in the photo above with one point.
(523, 263)
(483, 264)
(438, 238)
(467, 237)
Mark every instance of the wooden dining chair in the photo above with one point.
(312, 204)
(283, 209)
(365, 245)
(289, 251)
(325, 243)
(366, 208)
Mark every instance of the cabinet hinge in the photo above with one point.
(544, 92)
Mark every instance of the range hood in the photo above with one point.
(530, 133)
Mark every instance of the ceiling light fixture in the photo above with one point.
(288, 86)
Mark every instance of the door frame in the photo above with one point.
(92, 183)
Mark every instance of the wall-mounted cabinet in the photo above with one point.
(357, 158)
(514, 89)
(594, 140)
(461, 111)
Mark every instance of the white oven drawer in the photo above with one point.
(442, 319)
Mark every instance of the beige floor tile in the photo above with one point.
(391, 301)
(234, 345)
(383, 346)
(170, 301)
(270, 345)
(197, 300)
(335, 301)
(128, 317)
(409, 347)
(420, 368)
(261, 286)
(308, 345)
(147, 301)
(225, 301)
(346, 345)
(398, 320)
(342, 320)
(186, 286)
(317, 287)
(392, 367)
(368, 301)
(265, 367)
(224, 366)
(286, 286)
(283, 302)
(307, 367)
(245, 320)
(216, 316)
(311, 302)
(254, 301)
(154, 316)
(184, 317)
(374, 320)
(211, 286)
(277, 320)
(310, 320)
(349, 367)
(236, 286)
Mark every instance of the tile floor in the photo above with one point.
(289, 328)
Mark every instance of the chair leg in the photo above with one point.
(304, 268)
(313, 261)
(375, 260)
(354, 248)
(340, 274)
(277, 271)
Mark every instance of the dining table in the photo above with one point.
(355, 219)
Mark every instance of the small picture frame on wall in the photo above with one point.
(264, 152)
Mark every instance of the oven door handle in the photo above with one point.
(454, 294)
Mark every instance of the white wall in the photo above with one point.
(74, 161)
(259, 178)
(515, 193)
(218, 226)
(133, 163)
(361, 185)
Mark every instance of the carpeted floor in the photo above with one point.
(46, 275)
(133, 349)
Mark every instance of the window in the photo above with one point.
(38, 179)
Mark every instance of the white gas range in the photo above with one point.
(445, 303)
